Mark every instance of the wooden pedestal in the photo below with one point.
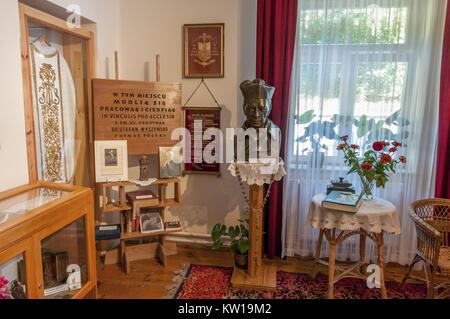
(265, 279)
(260, 275)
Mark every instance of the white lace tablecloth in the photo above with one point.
(376, 215)
(259, 173)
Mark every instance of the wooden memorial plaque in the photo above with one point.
(142, 113)
(210, 117)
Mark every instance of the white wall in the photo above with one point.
(155, 27)
(13, 153)
(105, 13)
(140, 29)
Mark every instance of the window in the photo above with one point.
(353, 73)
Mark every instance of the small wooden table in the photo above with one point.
(374, 218)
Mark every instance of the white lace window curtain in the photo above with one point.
(369, 69)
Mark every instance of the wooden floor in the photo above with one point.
(149, 280)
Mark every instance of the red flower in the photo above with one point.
(3, 282)
(396, 144)
(341, 147)
(393, 149)
(354, 146)
(3, 293)
(378, 146)
(386, 158)
(367, 166)
(403, 159)
(344, 138)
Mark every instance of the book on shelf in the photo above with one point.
(107, 232)
(342, 201)
(141, 195)
(173, 225)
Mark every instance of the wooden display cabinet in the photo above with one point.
(51, 220)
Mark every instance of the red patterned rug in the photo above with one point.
(208, 282)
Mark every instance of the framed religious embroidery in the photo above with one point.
(111, 161)
(204, 50)
(54, 101)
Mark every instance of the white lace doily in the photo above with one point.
(259, 173)
(376, 215)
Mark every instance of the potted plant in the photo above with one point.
(374, 166)
(240, 242)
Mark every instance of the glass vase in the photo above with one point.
(367, 188)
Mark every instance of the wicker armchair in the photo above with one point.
(432, 220)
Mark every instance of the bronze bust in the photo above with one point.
(257, 107)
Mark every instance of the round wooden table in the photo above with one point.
(373, 219)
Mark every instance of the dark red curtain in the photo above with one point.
(276, 32)
(443, 155)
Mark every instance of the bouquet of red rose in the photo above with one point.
(4, 294)
(374, 166)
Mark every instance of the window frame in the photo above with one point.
(349, 57)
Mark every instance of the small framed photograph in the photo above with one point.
(111, 161)
(151, 222)
(170, 161)
(204, 50)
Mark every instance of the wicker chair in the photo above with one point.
(432, 220)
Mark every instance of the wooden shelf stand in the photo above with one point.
(160, 249)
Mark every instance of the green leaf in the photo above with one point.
(217, 232)
(234, 232)
(402, 122)
(244, 231)
(305, 118)
(244, 245)
(365, 126)
(392, 118)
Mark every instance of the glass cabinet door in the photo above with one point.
(64, 261)
(13, 281)
(16, 272)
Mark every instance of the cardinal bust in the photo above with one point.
(257, 108)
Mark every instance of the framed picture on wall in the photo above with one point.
(204, 50)
(111, 161)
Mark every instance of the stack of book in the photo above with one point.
(342, 201)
